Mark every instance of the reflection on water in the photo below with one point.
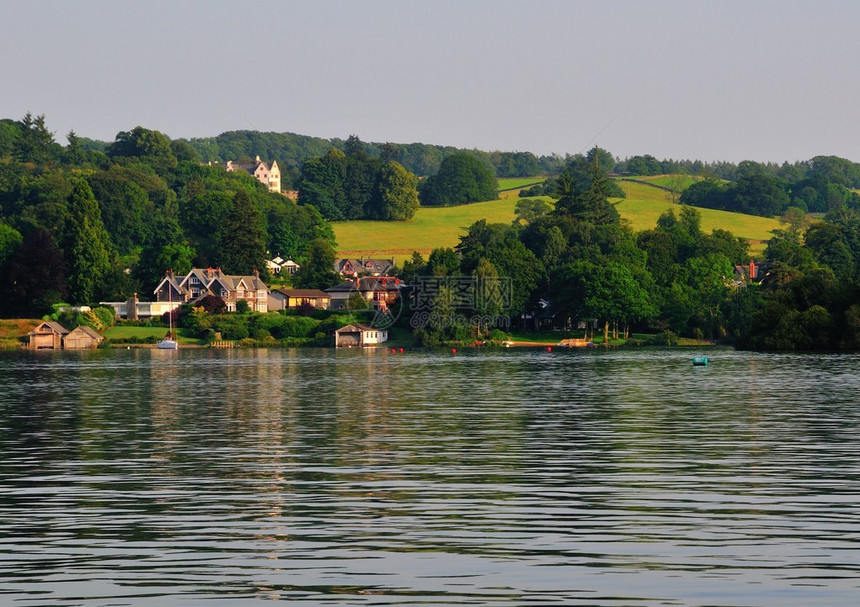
(147, 477)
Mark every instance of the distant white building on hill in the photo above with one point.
(266, 173)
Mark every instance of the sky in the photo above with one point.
(763, 80)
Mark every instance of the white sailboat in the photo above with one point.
(169, 342)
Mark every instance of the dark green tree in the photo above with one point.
(317, 268)
(151, 147)
(90, 249)
(395, 197)
(461, 179)
(35, 143)
(35, 277)
(322, 185)
(242, 238)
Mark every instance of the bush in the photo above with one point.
(499, 335)
(666, 338)
(105, 315)
(297, 326)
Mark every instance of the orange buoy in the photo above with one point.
(549, 348)
(401, 350)
(453, 350)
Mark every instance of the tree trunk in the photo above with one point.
(606, 332)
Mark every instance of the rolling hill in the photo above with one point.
(433, 227)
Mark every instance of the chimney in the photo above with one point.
(753, 269)
(258, 158)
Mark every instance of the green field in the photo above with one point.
(125, 333)
(517, 183)
(433, 227)
(645, 204)
(668, 181)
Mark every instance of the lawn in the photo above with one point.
(125, 333)
(645, 204)
(517, 183)
(433, 227)
(668, 181)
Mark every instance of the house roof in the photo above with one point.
(55, 326)
(367, 283)
(309, 293)
(208, 277)
(353, 327)
(366, 266)
(88, 331)
(177, 286)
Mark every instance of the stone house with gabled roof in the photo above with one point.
(199, 283)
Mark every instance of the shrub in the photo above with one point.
(298, 326)
(499, 335)
(105, 315)
(666, 338)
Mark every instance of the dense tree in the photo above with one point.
(317, 271)
(35, 277)
(292, 226)
(587, 199)
(148, 146)
(242, 247)
(125, 208)
(395, 196)
(355, 185)
(35, 142)
(442, 262)
(461, 179)
(10, 242)
(90, 249)
(322, 185)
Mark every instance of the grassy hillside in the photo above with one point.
(11, 330)
(644, 204)
(518, 183)
(668, 181)
(431, 227)
(442, 226)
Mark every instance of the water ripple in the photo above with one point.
(487, 478)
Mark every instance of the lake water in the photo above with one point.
(498, 478)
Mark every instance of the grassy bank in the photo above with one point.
(12, 329)
(131, 334)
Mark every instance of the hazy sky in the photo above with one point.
(728, 80)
